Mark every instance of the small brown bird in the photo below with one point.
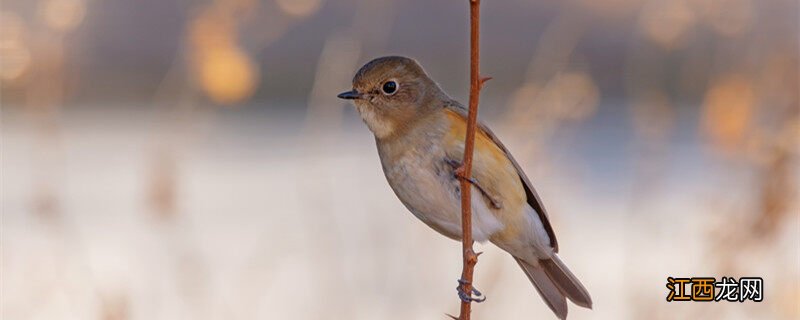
(420, 134)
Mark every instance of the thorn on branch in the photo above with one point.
(471, 257)
(483, 80)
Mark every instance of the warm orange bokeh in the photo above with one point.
(728, 111)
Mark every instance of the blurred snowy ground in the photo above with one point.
(275, 221)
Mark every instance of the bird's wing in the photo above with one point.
(532, 197)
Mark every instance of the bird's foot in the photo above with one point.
(467, 297)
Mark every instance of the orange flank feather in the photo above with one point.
(494, 173)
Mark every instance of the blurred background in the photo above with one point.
(177, 159)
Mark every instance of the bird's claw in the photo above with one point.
(467, 297)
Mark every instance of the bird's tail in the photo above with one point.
(555, 283)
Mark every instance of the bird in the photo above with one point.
(420, 134)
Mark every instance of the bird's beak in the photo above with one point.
(350, 95)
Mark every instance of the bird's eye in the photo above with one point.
(389, 87)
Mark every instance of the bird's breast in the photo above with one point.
(422, 184)
(425, 183)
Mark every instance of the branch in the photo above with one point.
(475, 84)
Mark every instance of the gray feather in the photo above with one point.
(569, 285)
(549, 292)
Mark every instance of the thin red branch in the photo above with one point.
(475, 84)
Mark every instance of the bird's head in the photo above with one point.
(391, 92)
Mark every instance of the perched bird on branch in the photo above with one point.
(420, 134)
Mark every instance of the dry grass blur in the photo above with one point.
(188, 159)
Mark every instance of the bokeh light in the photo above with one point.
(730, 17)
(14, 60)
(227, 75)
(62, 15)
(15, 57)
(299, 8)
(728, 111)
(667, 22)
